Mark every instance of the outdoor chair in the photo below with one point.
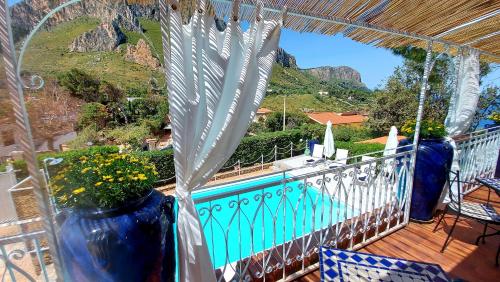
(483, 213)
(363, 175)
(317, 154)
(340, 158)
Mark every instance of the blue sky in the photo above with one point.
(313, 50)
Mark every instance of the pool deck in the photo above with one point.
(461, 259)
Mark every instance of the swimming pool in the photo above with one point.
(242, 225)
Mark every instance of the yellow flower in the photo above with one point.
(85, 169)
(121, 179)
(63, 198)
(119, 172)
(98, 184)
(430, 128)
(111, 180)
(79, 190)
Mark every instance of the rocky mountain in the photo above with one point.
(26, 14)
(328, 73)
(105, 37)
(285, 59)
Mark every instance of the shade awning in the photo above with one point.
(451, 24)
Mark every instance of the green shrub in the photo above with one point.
(93, 114)
(130, 134)
(81, 85)
(164, 162)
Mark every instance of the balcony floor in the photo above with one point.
(461, 259)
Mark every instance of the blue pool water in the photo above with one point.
(246, 229)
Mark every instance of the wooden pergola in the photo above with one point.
(449, 24)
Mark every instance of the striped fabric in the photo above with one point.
(478, 211)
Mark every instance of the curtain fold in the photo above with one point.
(216, 82)
(463, 105)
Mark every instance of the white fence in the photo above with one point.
(478, 155)
(273, 226)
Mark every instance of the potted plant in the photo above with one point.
(116, 226)
(434, 157)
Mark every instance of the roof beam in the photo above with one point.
(359, 24)
(455, 29)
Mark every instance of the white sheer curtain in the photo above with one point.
(216, 82)
(463, 102)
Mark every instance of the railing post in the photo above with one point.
(275, 152)
(420, 112)
(262, 162)
(291, 149)
(239, 167)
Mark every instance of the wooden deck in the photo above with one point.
(461, 259)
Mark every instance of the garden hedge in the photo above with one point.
(249, 151)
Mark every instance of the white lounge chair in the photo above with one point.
(317, 154)
(340, 158)
(363, 175)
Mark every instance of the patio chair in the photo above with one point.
(317, 154)
(362, 176)
(340, 158)
(483, 213)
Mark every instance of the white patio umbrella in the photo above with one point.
(328, 143)
(392, 142)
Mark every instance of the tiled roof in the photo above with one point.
(381, 140)
(264, 111)
(336, 118)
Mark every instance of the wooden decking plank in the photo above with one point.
(461, 259)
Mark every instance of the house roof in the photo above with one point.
(380, 140)
(336, 118)
(264, 111)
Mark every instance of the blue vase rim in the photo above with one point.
(110, 212)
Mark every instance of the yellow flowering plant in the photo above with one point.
(103, 181)
(495, 117)
(428, 129)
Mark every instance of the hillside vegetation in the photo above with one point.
(48, 55)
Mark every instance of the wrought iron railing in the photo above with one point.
(478, 155)
(272, 226)
(23, 257)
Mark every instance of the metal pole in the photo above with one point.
(284, 112)
(26, 139)
(420, 112)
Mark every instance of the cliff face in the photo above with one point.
(26, 14)
(285, 59)
(328, 73)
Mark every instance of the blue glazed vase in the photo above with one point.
(434, 157)
(131, 243)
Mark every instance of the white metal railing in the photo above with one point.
(22, 258)
(478, 155)
(274, 225)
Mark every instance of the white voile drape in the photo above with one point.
(463, 103)
(216, 82)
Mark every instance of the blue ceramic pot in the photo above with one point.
(131, 243)
(434, 157)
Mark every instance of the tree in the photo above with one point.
(52, 113)
(81, 85)
(488, 103)
(274, 122)
(393, 105)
